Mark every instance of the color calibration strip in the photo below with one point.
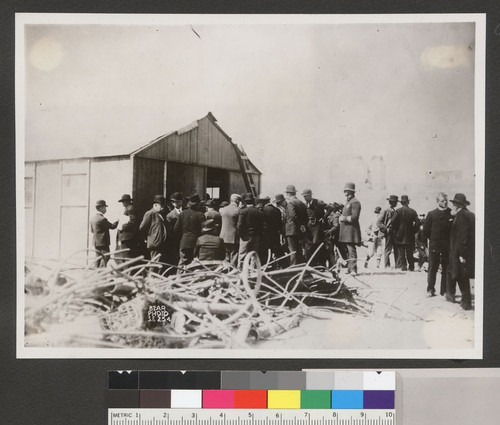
(252, 390)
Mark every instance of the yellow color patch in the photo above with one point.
(283, 399)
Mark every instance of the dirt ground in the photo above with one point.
(402, 317)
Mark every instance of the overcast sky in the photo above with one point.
(295, 96)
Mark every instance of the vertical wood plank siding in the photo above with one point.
(204, 144)
(148, 182)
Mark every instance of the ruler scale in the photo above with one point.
(121, 416)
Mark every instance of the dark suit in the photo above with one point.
(251, 229)
(315, 232)
(350, 232)
(128, 236)
(273, 229)
(384, 223)
(462, 240)
(100, 226)
(437, 227)
(154, 230)
(405, 224)
(172, 255)
(188, 226)
(295, 218)
(209, 247)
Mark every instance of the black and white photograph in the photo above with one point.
(250, 186)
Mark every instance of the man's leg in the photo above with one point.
(444, 270)
(352, 258)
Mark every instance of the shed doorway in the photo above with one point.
(217, 184)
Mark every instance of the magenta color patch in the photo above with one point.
(218, 399)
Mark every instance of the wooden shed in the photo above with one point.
(60, 193)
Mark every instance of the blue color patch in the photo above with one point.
(347, 399)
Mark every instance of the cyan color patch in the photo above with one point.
(347, 399)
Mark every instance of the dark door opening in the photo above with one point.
(218, 184)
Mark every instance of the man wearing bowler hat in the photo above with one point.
(295, 225)
(154, 230)
(251, 229)
(384, 225)
(462, 251)
(350, 231)
(405, 224)
(315, 234)
(100, 226)
(188, 227)
(172, 254)
(128, 229)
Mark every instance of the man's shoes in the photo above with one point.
(449, 298)
(431, 293)
(366, 264)
(466, 305)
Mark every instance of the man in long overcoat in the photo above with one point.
(188, 227)
(100, 226)
(384, 225)
(154, 230)
(295, 225)
(172, 255)
(228, 232)
(405, 225)
(437, 230)
(462, 251)
(315, 234)
(128, 229)
(350, 231)
(251, 229)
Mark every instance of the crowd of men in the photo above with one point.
(287, 231)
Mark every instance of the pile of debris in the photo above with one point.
(137, 304)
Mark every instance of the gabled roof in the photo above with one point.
(104, 148)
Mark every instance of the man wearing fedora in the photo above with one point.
(295, 225)
(384, 225)
(172, 250)
(128, 229)
(229, 233)
(209, 246)
(350, 231)
(274, 225)
(315, 234)
(251, 229)
(188, 227)
(405, 225)
(154, 230)
(212, 214)
(100, 226)
(462, 251)
(436, 229)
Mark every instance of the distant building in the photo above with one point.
(60, 193)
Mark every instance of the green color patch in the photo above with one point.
(315, 399)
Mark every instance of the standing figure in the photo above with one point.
(229, 218)
(100, 226)
(295, 225)
(437, 227)
(315, 234)
(461, 267)
(173, 243)
(250, 228)
(421, 246)
(374, 239)
(154, 230)
(212, 214)
(405, 224)
(274, 226)
(128, 229)
(384, 225)
(334, 247)
(350, 231)
(188, 227)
